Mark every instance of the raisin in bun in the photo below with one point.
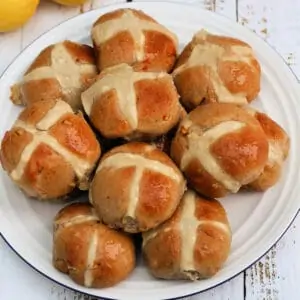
(130, 36)
(123, 103)
(49, 150)
(193, 244)
(61, 70)
(220, 147)
(92, 254)
(136, 187)
(215, 68)
(279, 145)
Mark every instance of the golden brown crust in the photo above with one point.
(82, 54)
(157, 194)
(107, 117)
(123, 103)
(72, 132)
(157, 110)
(16, 139)
(160, 53)
(166, 247)
(210, 259)
(42, 60)
(213, 68)
(40, 90)
(113, 187)
(159, 49)
(203, 182)
(47, 174)
(49, 150)
(118, 49)
(104, 257)
(240, 152)
(239, 77)
(279, 145)
(36, 112)
(187, 84)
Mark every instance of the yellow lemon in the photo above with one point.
(70, 2)
(14, 13)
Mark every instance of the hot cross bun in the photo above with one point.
(130, 104)
(130, 36)
(92, 254)
(214, 68)
(62, 70)
(220, 147)
(193, 244)
(136, 187)
(49, 150)
(279, 145)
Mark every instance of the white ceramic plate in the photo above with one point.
(258, 220)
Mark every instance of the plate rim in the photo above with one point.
(296, 82)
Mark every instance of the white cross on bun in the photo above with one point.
(92, 254)
(193, 244)
(136, 187)
(220, 147)
(131, 36)
(61, 70)
(215, 68)
(123, 103)
(49, 150)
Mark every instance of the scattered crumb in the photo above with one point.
(264, 31)
(210, 5)
(290, 59)
(244, 21)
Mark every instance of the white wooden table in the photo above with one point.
(275, 276)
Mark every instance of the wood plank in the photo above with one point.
(277, 23)
(273, 277)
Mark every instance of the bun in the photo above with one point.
(214, 68)
(62, 70)
(193, 244)
(92, 254)
(125, 103)
(279, 146)
(49, 150)
(130, 36)
(220, 147)
(136, 187)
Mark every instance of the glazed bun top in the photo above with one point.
(130, 104)
(220, 147)
(136, 187)
(49, 150)
(91, 253)
(61, 70)
(193, 244)
(224, 69)
(136, 39)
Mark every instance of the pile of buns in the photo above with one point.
(152, 137)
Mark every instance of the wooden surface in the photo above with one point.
(275, 276)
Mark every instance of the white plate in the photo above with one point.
(258, 219)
